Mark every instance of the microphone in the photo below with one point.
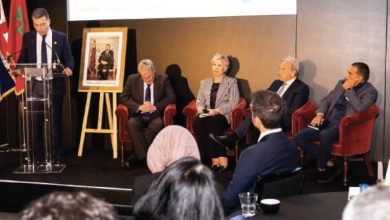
(57, 60)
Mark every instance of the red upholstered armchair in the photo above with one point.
(236, 117)
(355, 136)
(123, 114)
(302, 117)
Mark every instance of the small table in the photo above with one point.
(316, 206)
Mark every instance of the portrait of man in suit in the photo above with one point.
(146, 94)
(106, 63)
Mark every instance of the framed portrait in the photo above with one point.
(103, 59)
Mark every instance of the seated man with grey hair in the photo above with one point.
(146, 95)
(66, 205)
(292, 90)
(372, 204)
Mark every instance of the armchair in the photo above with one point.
(123, 115)
(355, 136)
(280, 184)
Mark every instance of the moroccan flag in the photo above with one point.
(6, 82)
(18, 25)
(3, 31)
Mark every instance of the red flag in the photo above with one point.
(3, 31)
(18, 25)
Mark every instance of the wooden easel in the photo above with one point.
(112, 122)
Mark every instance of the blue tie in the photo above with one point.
(148, 98)
(43, 50)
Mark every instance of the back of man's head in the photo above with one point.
(65, 205)
(372, 204)
(268, 107)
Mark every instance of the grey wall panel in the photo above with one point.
(386, 149)
(333, 34)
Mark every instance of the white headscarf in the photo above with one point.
(171, 144)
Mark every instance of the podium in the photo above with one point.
(36, 128)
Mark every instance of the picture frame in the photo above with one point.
(103, 58)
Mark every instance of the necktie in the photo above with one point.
(281, 89)
(148, 98)
(43, 50)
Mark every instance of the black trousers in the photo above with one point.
(217, 125)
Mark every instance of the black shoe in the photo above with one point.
(328, 175)
(57, 159)
(225, 140)
(133, 162)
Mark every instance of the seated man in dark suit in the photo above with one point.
(351, 95)
(274, 152)
(293, 91)
(146, 95)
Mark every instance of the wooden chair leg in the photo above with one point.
(345, 180)
(367, 161)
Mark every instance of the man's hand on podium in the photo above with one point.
(67, 72)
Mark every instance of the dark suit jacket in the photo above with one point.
(60, 45)
(133, 93)
(108, 57)
(359, 99)
(275, 152)
(295, 96)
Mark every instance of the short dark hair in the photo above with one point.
(185, 190)
(268, 107)
(363, 70)
(66, 205)
(39, 13)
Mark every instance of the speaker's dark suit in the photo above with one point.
(295, 96)
(133, 96)
(61, 46)
(275, 152)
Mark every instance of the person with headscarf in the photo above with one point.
(171, 144)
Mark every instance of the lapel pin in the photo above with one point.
(55, 42)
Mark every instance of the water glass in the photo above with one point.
(248, 203)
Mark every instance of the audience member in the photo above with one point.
(172, 143)
(146, 95)
(293, 91)
(371, 204)
(274, 152)
(185, 190)
(66, 205)
(182, 91)
(216, 97)
(352, 94)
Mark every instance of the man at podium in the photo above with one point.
(45, 45)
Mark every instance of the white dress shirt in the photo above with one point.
(288, 84)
